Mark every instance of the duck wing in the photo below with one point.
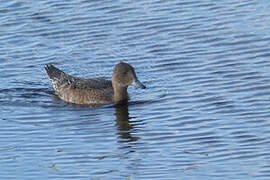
(79, 90)
(88, 84)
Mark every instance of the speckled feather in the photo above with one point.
(79, 90)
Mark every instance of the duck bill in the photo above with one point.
(138, 84)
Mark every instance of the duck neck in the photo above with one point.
(120, 93)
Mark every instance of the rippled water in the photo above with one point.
(204, 115)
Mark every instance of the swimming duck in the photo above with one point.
(94, 91)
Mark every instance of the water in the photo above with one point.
(204, 115)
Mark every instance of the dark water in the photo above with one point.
(205, 114)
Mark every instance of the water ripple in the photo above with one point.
(204, 113)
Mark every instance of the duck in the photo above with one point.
(95, 91)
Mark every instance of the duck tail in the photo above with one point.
(54, 73)
(58, 77)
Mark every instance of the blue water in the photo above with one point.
(205, 112)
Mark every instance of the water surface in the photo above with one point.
(204, 115)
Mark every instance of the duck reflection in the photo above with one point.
(122, 121)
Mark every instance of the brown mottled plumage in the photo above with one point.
(94, 91)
